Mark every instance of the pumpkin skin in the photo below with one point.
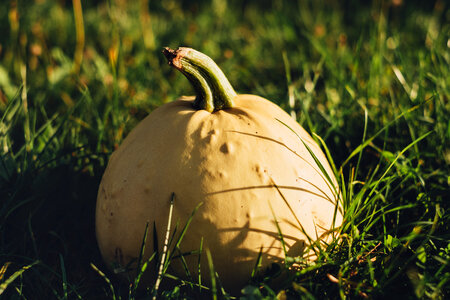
(228, 160)
(241, 156)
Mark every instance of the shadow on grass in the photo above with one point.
(48, 215)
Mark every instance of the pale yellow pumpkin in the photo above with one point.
(247, 164)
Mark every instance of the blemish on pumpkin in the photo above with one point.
(226, 148)
(104, 196)
(118, 256)
(319, 221)
(259, 170)
(211, 136)
(210, 174)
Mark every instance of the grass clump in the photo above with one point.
(371, 79)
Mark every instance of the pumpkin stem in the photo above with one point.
(212, 88)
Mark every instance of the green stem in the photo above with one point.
(212, 88)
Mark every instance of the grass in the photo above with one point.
(372, 80)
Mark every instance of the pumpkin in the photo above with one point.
(255, 170)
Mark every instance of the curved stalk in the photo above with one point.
(212, 88)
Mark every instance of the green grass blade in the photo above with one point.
(64, 276)
(389, 124)
(398, 156)
(108, 282)
(14, 276)
(212, 274)
(322, 172)
(280, 234)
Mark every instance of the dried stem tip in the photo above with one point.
(172, 57)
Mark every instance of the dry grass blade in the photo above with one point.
(162, 261)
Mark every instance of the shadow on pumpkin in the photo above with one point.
(191, 266)
(271, 186)
(319, 172)
(234, 264)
